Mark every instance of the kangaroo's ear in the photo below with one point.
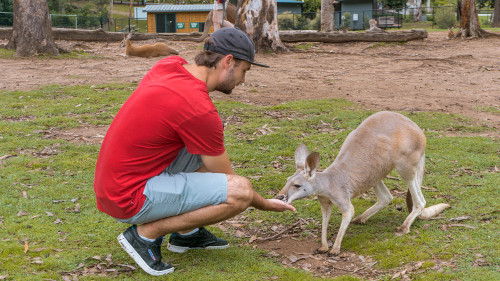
(300, 156)
(312, 164)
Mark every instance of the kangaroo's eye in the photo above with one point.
(297, 185)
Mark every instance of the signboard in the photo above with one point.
(354, 17)
(194, 25)
(180, 25)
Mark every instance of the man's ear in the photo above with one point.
(228, 61)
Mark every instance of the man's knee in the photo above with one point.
(239, 191)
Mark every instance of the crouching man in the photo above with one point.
(163, 167)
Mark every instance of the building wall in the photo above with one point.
(184, 19)
(360, 9)
(151, 23)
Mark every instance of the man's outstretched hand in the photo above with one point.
(278, 206)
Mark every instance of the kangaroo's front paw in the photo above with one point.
(358, 220)
(333, 252)
(402, 230)
(321, 250)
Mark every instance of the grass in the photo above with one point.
(50, 227)
(74, 54)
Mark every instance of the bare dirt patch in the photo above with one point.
(436, 74)
(295, 246)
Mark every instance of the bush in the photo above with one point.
(316, 22)
(346, 20)
(445, 17)
(285, 22)
(302, 23)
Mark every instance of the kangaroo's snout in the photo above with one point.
(281, 197)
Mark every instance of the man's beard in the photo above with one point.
(228, 84)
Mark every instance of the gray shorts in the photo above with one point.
(179, 189)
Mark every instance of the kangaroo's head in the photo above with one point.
(125, 40)
(301, 184)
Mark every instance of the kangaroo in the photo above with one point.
(383, 142)
(451, 34)
(149, 50)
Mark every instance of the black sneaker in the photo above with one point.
(202, 239)
(146, 254)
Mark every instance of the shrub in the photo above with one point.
(445, 17)
(302, 23)
(316, 22)
(285, 22)
(346, 20)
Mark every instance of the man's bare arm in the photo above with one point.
(221, 164)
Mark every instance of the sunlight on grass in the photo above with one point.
(48, 204)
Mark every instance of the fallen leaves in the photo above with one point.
(102, 267)
(22, 213)
(446, 226)
(6, 156)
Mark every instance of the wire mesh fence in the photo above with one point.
(438, 17)
(86, 22)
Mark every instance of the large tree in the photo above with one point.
(327, 15)
(469, 21)
(259, 19)
(32, 29)
(496, 14)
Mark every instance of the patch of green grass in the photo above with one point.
(75, 54)
(386, 44)
(304, 46)
(48, 203)
(7, 54)
(491, 109)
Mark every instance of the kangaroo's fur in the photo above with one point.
(383, 142)
(148, 50)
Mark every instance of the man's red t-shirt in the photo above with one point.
(169, 110)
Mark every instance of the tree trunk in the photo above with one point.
(417, 13)
(111, 12)
(131, 9)
(259, 19)
(327, 15)
(230, 17)
(32, 29)
(469, 21)
(496, 14)
(335, 37)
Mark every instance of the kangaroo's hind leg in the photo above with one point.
(413, 176)
(384, 197)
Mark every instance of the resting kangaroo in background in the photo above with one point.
(149, 50)
(383, 142)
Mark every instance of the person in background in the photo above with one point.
(219, 15)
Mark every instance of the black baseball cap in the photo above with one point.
(232, 41)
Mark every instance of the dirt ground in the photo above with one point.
(435, 74)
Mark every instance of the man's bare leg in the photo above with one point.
(239, 197)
